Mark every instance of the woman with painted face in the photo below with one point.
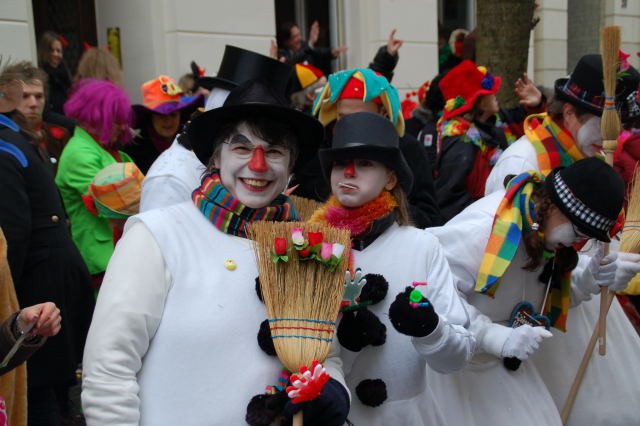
(408, 282)
(175, 335)
(517, 247)
(159, 119)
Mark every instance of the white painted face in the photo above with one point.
(559, 231)
(589, 139)
(251, 169)
(356, 182)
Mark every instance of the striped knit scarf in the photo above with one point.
(458, 126)
(554, 145)
(515, 216)
(229, 215)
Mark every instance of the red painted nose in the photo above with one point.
(350, 170)
(258, 163)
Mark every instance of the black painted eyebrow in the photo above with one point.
(240, 138)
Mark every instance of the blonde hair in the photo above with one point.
(402, 211)
(99, 64)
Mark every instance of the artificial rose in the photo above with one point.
(297, 237)
(326, 251)
(280, 246)
(315, 238)
(337, 249)
(305, 252)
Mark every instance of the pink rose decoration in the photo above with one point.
(327, 250)
(297, 237)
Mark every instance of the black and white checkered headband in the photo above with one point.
(578, 209)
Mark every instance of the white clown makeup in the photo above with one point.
(253, 170)
(561, 232)
(356, 182)
(589, 139)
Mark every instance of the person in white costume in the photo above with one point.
(568, 132)
(177, 171)
(173, 338)
(532, 265)
(386, 368)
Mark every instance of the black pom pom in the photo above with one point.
(418, 322)
(264, 339)
(372, 392)
(263, 409)
(359, 328)
(511, 363)
(258, 291)
(375, 289)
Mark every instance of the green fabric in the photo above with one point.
(82, 159)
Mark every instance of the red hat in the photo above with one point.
(463, 84)
(354, 89)
(307, 74)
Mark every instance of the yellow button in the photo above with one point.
(55, 219)
(230, 264)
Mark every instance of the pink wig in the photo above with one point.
(99, 106)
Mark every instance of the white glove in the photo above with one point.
(523, 341)
(600, 271)
(628, 265)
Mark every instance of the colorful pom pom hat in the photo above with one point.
(115, 190)
(463, 84)
(358, 83)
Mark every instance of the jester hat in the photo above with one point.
(358, 83)
(463, 84)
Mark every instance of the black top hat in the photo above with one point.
(255, 98)
(370, 136)
(240, 65)
(584, 87)
(627, 94)
(590, 193)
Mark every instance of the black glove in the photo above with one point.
(416, 322)
(330, 408)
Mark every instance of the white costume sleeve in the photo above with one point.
(333, 364)
(450, 346)
(126, 317)
(509, 163)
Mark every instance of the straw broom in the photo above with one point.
(305, 206)
(610, 129)
(302, 297)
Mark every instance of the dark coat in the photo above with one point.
(45, 264)
(59, 84)
(422, 201)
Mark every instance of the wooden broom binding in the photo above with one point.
(305, 206)
(610, 129)
(302, 297)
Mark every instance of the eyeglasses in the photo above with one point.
(581, 236)
(242, 147)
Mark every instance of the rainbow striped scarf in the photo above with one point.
(229, 215)
(554, 145)
(515, 215)
(468, 132)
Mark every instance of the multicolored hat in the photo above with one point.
(584, 87)
(116, 190)
(163, 96)
(463, 84)
(358, 83)
(307, 74)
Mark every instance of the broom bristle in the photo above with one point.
(610, 124)
(305, 206)
(630, 238)
(302, 297)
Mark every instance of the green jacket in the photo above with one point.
(81, 159)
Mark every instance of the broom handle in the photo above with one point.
(609, 147)
(577, 381)
(297, 418)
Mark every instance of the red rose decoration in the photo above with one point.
(315, 238)
(305, 252)
(280, 246)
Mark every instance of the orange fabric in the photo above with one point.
(159, 91)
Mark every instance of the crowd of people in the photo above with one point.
(477, 231)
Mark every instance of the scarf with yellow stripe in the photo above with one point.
(516, 215)
(553, 144)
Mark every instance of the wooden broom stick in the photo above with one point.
(610, 129)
